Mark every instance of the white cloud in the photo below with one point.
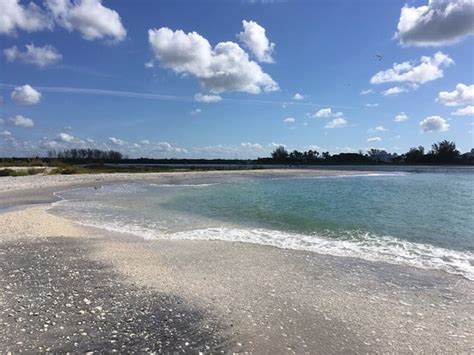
(394, 91)
(434, 124)
(466, 111)
(401, 117)
(366, 92)
(289, 120)
(427, 69)
(6, 133)
(463, 94)
(2, 121)
(145, 142)
(377, 129)
(226, 67)
(374, 139)
(441, 22)
(21, 121)
(207, 98)
(251, 145)
(274, 145)
(49, 144)
(327, 112)
(336, 123)
(40, 56)
(26, 95)
(371, 105)
(64, 137)
(255, 39)
(14, 16)
(89, 17)
(298, 96)
(195, 111)
(116, 141)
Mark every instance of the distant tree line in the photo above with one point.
(86, 155)
(443, 152)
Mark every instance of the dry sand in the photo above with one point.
(204, 295)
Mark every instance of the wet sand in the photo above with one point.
(70, 288)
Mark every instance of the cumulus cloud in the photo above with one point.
(394, 91)
(466, 111)
(15, 16)
(371, 105)
(226, 67)
(326, 112)
(289, 120)
(427, 69)
(26, 95)
(401, 117)
(21, 121)
(441, 22)
(65, 137)
(249, 145)
(434, 124)
(255, 39)
(6, 133)
(463, 94)
(381, 129)
(89, 17)
(116, 141)
(298, 96)
(374, 139)
(40, 56)
(336, 123)
(207, 98)
(273, 145)
(196, 111)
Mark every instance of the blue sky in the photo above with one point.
(133, 75)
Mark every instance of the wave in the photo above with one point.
(364, 246)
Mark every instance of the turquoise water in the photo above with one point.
(418, 219)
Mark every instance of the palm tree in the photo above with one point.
(444, 152)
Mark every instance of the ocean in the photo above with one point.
(416, 218)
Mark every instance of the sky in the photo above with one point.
(234, 78)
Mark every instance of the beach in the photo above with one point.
(69, 287)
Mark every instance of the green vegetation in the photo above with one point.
(21, 172)
(443, 152)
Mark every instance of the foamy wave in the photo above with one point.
(363, 246)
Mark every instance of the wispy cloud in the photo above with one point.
(161, 97)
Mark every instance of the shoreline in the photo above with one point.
(251, 297)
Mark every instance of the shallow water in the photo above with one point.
(423, 219)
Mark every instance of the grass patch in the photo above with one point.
(20, 172)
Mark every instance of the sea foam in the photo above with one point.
(361, 245)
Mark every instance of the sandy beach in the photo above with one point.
(66, 287)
